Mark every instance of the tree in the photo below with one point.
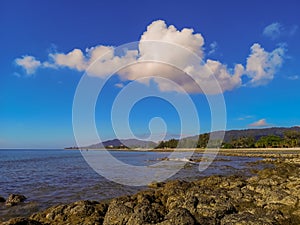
(270, 141)
(291, 138)
(203, 140)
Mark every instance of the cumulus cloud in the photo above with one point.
(177, 50)
(158, 31)
(260, 123)
(262, 65)
(29, 64)
(74, 60)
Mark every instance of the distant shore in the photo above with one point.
(200, 150)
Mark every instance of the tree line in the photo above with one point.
(290, 139)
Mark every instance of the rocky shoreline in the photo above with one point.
(271, 196)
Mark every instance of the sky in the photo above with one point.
(246, 53)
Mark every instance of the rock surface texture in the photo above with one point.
(14, 199)
(271, 196)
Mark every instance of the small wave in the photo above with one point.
(184, 159)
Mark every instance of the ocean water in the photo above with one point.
(50, 177)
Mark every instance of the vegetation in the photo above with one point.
(173, 143)
(289, 139)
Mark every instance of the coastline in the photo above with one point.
(271, 196)
(248, 152)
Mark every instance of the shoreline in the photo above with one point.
(187, 149)
(271, 196)
(248, 152)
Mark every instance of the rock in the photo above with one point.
(146, 214)
(179, 216)
(244, 219)
(117, 213)
(81, 212)
(156, 184)
(2, 199)
(15, 199)
(22, 221)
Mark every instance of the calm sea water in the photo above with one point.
(50, 177)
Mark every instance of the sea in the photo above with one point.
(50, 177)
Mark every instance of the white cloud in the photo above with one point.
(158, 31)
(74, 60)
(29, 64)
(260, 123)
(162, 43)
(277, 30)
(80, 61)
(262, 65)
(273, 30)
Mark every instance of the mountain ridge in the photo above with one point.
(255, 133)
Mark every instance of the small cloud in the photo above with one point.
(29, 63)
(119, 85)
(262, 65)
(16, 74)
(245, 117)
(213, 47)
(277, 30)
(273, 30)
(295, 77)
(259, 123)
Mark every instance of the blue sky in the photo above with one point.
(38, 81)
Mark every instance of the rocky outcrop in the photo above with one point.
(14, 199)
(269, 197)
(2, 199)
(23, 221)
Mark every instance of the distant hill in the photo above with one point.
(130, 143)
(255, 133)
(258, 133)
(230, 135)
